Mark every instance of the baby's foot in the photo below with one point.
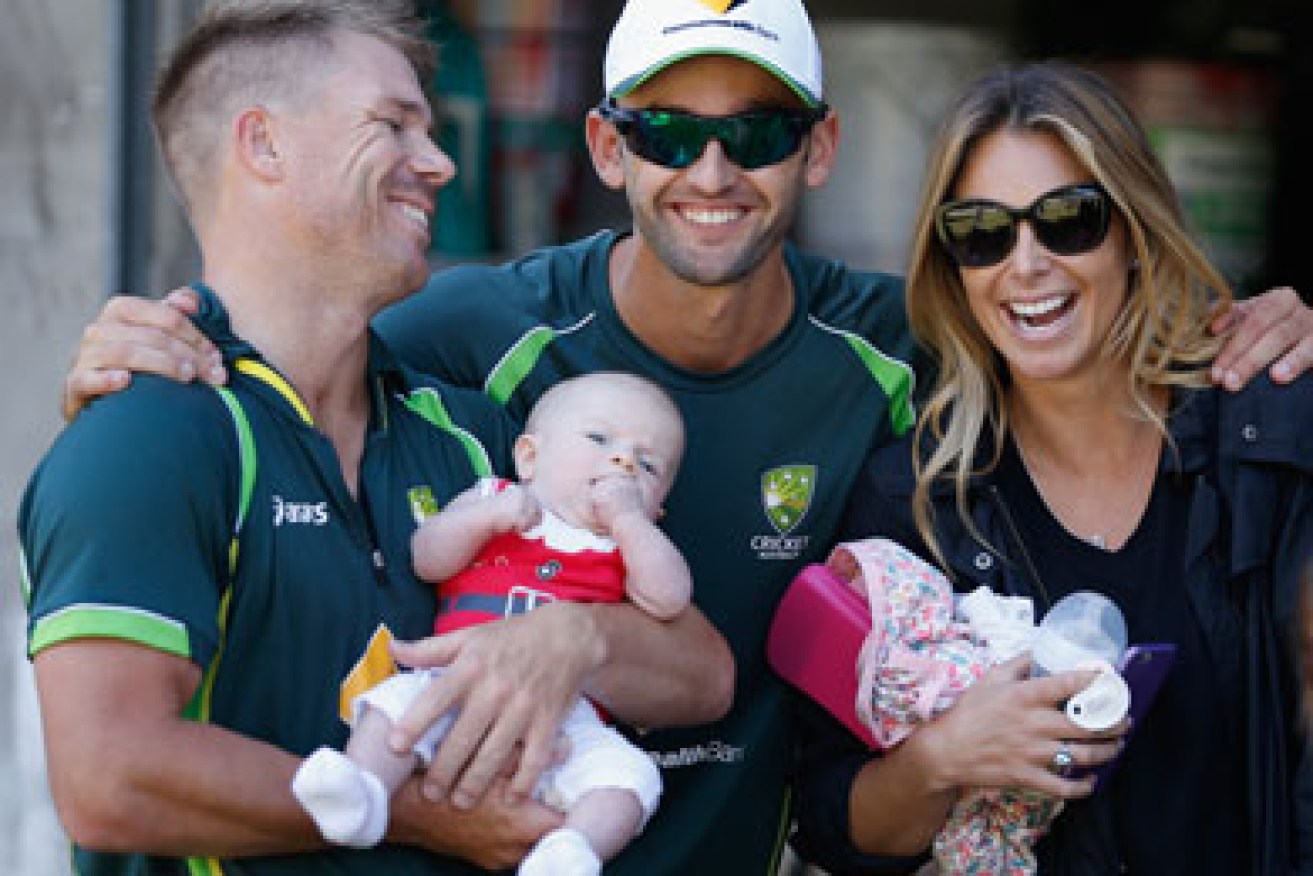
(348, 804)
(563, 852)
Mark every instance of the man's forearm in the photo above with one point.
(661, 673)
(200, 791)
(129, 775)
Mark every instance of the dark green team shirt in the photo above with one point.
(773, 447)
(127, 524)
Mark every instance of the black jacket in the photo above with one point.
(1248, 461)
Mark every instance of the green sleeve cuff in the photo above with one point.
(110, 622)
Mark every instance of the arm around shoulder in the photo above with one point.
(135, 334)
(447, 328)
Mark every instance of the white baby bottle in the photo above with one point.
(1086, 630)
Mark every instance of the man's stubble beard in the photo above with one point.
(663, 239)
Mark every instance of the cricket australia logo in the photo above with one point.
(786, 494)
(422, 503)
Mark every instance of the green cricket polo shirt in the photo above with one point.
(126, 528)
(773, 448)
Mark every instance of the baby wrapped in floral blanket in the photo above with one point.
(925, 648)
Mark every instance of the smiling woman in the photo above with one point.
(1048, 302)
(1039, 216)
(1071, 442)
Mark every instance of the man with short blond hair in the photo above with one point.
(207, 569)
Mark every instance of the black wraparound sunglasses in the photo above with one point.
(671, 138)
(1068, 221)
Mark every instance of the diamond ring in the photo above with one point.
(1063, 760)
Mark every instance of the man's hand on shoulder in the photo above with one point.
(1272, 329)
(133, 334)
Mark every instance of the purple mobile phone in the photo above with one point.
(1144, 667)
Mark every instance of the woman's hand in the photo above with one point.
(1007, 729)
(1003, 732)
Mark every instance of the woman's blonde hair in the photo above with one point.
(1162, 329)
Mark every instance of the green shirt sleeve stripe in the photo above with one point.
(519, 360)
(895, 377)
(200, 706)
(246, 452)
(87, 620)
(428, 404)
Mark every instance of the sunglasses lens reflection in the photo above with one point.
(1068, 221)
(978, 235)
(1073, 222)
(676, 140)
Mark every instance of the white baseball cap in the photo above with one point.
(774, 34)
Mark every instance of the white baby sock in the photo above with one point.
(563, 852)
(348, 804)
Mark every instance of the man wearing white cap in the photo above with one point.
(787, 369)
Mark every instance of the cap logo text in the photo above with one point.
(749, 26)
